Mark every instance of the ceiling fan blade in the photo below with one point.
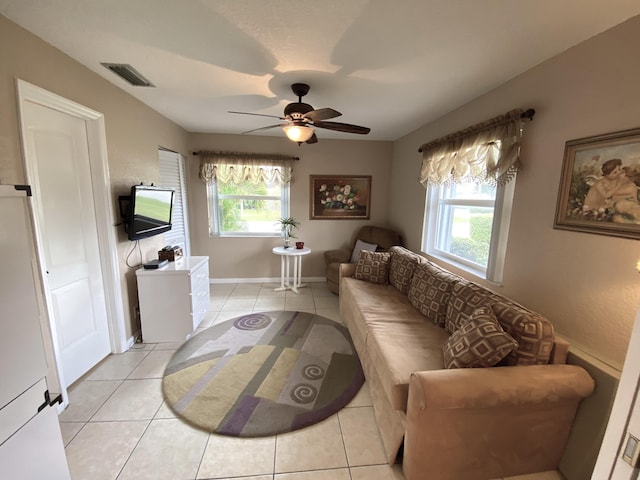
(257, 114)
(264, 128)
(313, 139)
(322, 114)
(343, 127)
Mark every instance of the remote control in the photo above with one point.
(155, 264)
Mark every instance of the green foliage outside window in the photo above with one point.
(229, 217)
(475, 247)
(237, 213)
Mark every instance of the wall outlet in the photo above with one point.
(631, 451)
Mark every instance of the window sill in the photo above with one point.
(240, 235)
(449, 261)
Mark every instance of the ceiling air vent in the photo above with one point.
(128, 73)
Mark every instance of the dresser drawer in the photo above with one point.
(200, 278)
(200, 300)
(173, 299)
(200, 293)
(198, 315)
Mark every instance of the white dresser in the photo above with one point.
(173, 299)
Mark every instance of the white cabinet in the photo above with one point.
(173, 299)
(31, 445)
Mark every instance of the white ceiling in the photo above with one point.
(389, 65)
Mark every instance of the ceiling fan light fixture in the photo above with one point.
(298, 133)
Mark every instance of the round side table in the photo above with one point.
(285, 255)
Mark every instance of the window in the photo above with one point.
(467, 225)
(469, 177)
(247, 208)
(172, 174)
(247, 192)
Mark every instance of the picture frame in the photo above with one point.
(599, 185)
(340, 197)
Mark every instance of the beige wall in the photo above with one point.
(251, 258)
(134, 131)
(586, 284)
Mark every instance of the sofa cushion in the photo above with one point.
(360, 246)
(398, 340)
(398, 348)
(533, 332)
(430, 289)
(364, 302)
(479, 342)
(402, 267)
(373, 267)
(466, 297)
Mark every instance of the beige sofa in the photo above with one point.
(457, 423)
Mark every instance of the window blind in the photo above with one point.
(172, 174)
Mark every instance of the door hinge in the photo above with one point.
(26, 188)
(48, 402)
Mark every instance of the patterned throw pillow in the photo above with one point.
(466, 298)
(479, 342)
(373, 267)
(533, 332)
(360, 246)
(429, 291)
(403, 265)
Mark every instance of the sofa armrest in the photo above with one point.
(559, 351)
(479, 423)
(347, 269)
(341, 255)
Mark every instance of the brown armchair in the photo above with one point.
(383, 238)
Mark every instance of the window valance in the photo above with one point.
(488, 152)
(240, 167)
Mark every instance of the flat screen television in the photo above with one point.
(149, 211)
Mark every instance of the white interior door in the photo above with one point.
(57, 157)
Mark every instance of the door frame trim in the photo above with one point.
(103, 202)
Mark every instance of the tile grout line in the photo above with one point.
(90, 420)
(84, 424)
(275, 455)
(133, 450)
(344, 445)
(105, 400)
(204, 451)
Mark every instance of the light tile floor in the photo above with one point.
(117, 425)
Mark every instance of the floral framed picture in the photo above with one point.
(599, 185)
(336, 197)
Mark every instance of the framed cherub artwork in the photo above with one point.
(599, 185)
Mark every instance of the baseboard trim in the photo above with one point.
(131, 341)
(264, 280)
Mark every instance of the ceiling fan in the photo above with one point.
(300, 119)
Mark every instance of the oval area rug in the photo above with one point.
(263, 373)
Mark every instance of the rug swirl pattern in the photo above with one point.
(263, 373)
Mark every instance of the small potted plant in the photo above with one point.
(288, 224)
